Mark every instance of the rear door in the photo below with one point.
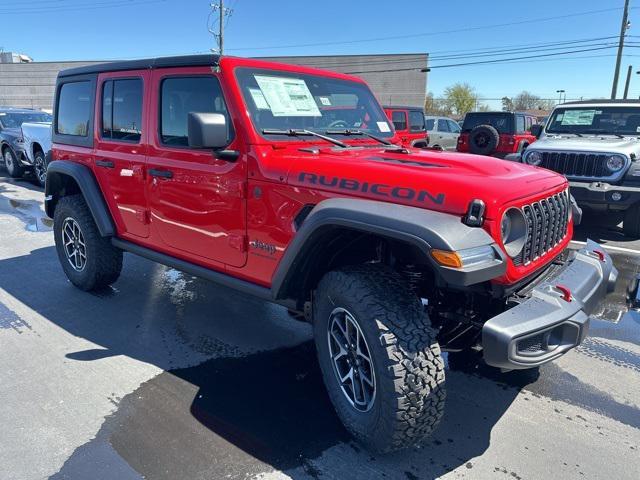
(443, 136)
(454, 133)
(120, 148)
(197, 201)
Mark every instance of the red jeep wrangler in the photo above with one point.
(285, 183)
(496, 133)
(409, 125)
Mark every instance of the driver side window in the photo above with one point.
(181, 95)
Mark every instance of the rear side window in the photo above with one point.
(181, 95)
(453, 126)
(399, 120)
(74, 109)
(443, 126)
(501, 121)
(122, 110)
(416, 122)
(520, 124)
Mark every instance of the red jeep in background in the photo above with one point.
(409, 125)
(496, 133)
(285, 183)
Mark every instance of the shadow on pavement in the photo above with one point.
(254, 401)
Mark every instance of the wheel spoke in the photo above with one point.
(351, 359)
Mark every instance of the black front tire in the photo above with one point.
(631, 223)
(14, 169)
(103, 262)
(408, 369)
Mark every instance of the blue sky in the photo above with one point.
(107, 29)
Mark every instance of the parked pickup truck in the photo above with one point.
(12, 143)
(246, 173)
(37, 148)
(596, 145)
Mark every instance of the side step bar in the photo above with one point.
(196, 270)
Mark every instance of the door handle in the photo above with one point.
(104, 163)
(160, 173)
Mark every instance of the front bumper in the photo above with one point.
(600, 194)
(545, 324)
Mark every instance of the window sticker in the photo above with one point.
(288, 97)
(325, 101)
(383, 127)
(258, 99)
(578, 117)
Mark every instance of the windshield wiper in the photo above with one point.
(604, 132)
(293, 132)
(565, 132)
(348, 132)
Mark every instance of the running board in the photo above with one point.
(192, 269)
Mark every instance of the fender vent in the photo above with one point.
(302, 215)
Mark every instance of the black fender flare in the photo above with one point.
(422, 228)
(86, 181)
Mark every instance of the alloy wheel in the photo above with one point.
(351, 360)
(40, 169)
(74, 244)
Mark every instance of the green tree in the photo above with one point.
(460, 98)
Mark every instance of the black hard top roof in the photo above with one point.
(146, 63)
(603, 101)
(403, 107)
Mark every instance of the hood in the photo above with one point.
(431, 179)
(591, 143)
(11, 132)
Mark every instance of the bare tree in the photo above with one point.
(526, 101)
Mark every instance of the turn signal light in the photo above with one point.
(448, 259)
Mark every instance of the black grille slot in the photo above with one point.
(547, 222)
(589, 165)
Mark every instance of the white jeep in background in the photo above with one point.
(596, 145)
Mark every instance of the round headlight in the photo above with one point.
(513, 229)
(615, 162)
(534, 158)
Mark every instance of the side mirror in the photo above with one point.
(207, 130)
(536, 130)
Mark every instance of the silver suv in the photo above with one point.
(443, 132)
(596, 145)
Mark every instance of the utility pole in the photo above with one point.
(626, 85)
(223, 13)
(623, 30)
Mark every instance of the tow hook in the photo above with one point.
(565, 293)
(633, 295)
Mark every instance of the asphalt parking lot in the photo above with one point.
(166, 376)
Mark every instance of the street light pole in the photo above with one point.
(626, 85)
(623, 29)
(560, 92)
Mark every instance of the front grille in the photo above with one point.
(575, 164)
(547, 222)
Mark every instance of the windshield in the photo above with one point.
(596, 120)
(15, 119)
(502, 122)
(279, 100)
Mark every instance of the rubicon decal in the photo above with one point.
(380, 189)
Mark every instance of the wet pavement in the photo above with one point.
(166, 376)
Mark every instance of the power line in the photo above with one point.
(486, 62)
(67, 8)
(428, 34)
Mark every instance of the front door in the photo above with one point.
(197, 202)
(120, 148)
